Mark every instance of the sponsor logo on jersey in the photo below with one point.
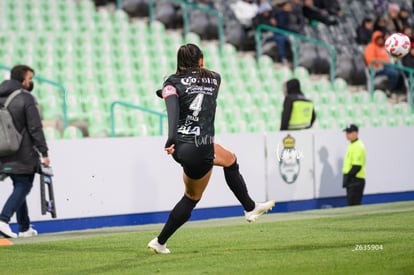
(168, 90)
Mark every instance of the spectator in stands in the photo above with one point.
(364, 31)
(408, 60)
(313, 13)
(331, 7)
(408, 31)
(286, 19)
(392, 22)
(239, 28)
(297, 10)
(298, 111)
(266, 16)
(245, 11)
(404, 17)
(380, 25)
(376, 50)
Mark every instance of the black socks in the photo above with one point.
(178, 216)
(237, 185)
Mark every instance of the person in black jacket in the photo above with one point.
(364, 31)
(298, 111)
(313, 13)
(22, 166)
(267, 16)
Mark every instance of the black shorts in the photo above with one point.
(196, 160)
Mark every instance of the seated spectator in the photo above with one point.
(245, 11)
(286, 19)
(380, 25)
(376, 50)
(392, 22)
(238, 26)
(266, 16)
(331, 7)
(364, 31)
(297, 11)
(313, 13)
(405, 17)
(298, 111)
(408, 60)
(408, 31)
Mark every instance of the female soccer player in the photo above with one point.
(190, 96)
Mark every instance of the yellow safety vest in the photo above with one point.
(301, 115)
(355, 155)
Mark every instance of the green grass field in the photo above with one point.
(370, 239)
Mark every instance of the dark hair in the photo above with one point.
(367, 20)
(18, 72)
(188, 58)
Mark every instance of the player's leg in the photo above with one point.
(237, 185)
(197, 162)
(234, 179)
(181, 213)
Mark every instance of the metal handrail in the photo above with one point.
(296, 37)
(119, 4)
(129, 105)
(410, 72)
(53, 83)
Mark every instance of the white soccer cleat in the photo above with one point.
(6, 230)
(28, 233)
(155, 246)
(260, 209)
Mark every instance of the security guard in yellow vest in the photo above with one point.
(298, 111)
(354, 166)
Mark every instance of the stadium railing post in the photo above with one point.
(409, 70)
(132, 106)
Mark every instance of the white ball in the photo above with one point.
(397, 45)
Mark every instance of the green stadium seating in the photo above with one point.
(51, 133)
(101, 57)
(72, 132)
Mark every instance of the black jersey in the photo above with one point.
(197, 100)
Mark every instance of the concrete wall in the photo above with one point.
(117, 176)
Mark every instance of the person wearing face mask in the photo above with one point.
(22, 165)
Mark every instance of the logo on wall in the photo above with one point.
(289, 165)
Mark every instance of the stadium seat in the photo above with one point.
(408, 120)
(99, 56)
(51, 133)
(340, 85)
(72, 132)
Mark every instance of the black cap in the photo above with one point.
(351, 128)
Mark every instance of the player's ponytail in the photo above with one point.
(188, 57)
